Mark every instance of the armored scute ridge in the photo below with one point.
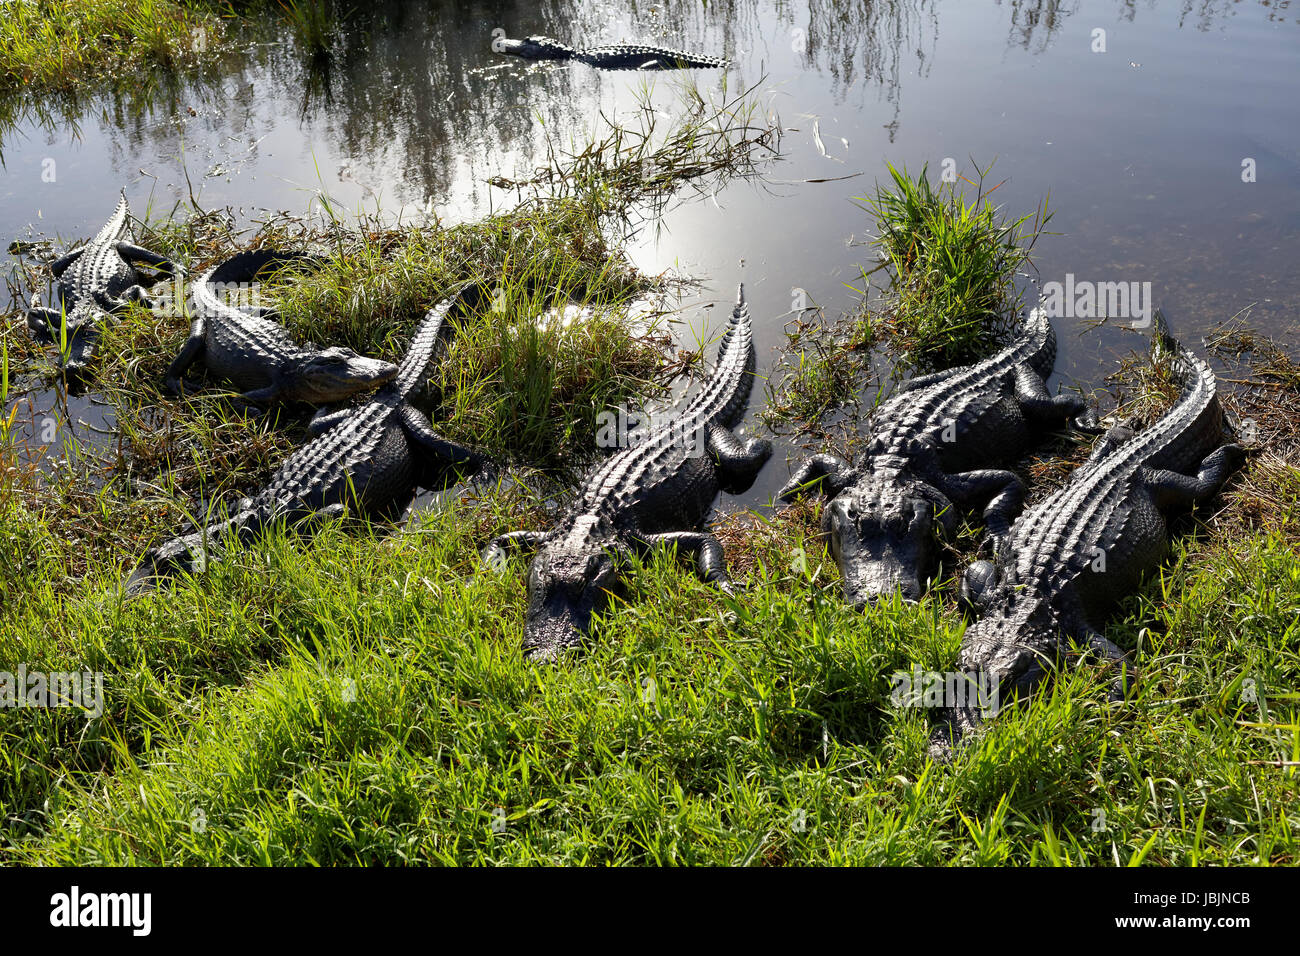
(369, 458)
(657, 492)
(247, 348)
(621, 56)
(95, 282)
(934, 445)
(1072, 556)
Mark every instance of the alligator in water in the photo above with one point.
(657, 492)
(246, 347)
(1069, 558)
(938, 442)
(94, 282)
(620, 56)
(368, 459)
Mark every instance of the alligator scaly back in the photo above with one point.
(656, 493)
(619, 56)
(1072, 556)
(724, 398)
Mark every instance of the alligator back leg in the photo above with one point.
(437, 454)
(132, 253)
(820, 474)
(44, 323)
(1043, 408)
(1006, 491)
(60, 265)
(1171, 490)
(738, 462)
(710, 561)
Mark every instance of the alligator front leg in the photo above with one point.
(710, 561)
(439, 454)
(1007, 493)
(1044, 408)
(188, 355)
(738, 462)
(1172, 490)
(324, 420)
(978, 582)
(820, 474)
(498, 550)
(44, 324)
(1113, 438)
(260, 396)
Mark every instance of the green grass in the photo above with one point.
(950, 299)
(364, 701)
(63, 45)
(952, 266)
(360, 697)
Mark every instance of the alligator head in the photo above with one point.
(881, 532)
(571, 578)
(533, 47)
(1015, 643)
(332, 375)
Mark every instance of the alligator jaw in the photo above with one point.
(334, 375)
(553, 630)
(877, 574)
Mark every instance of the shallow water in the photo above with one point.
(1141, 147)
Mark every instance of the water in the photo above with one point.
(1141, 147)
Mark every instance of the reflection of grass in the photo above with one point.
(312, 22)
(952, 266)
(62, 45)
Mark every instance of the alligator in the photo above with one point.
(620, 56)
(368, 459)
(656, 492)
(939, 441)
(1072, 556)
(246, 347)
(95, 281)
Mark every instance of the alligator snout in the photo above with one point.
(550, 631)
(876, 580)
(879, 554)
(336, 374)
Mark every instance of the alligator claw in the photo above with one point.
(1089, 422)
